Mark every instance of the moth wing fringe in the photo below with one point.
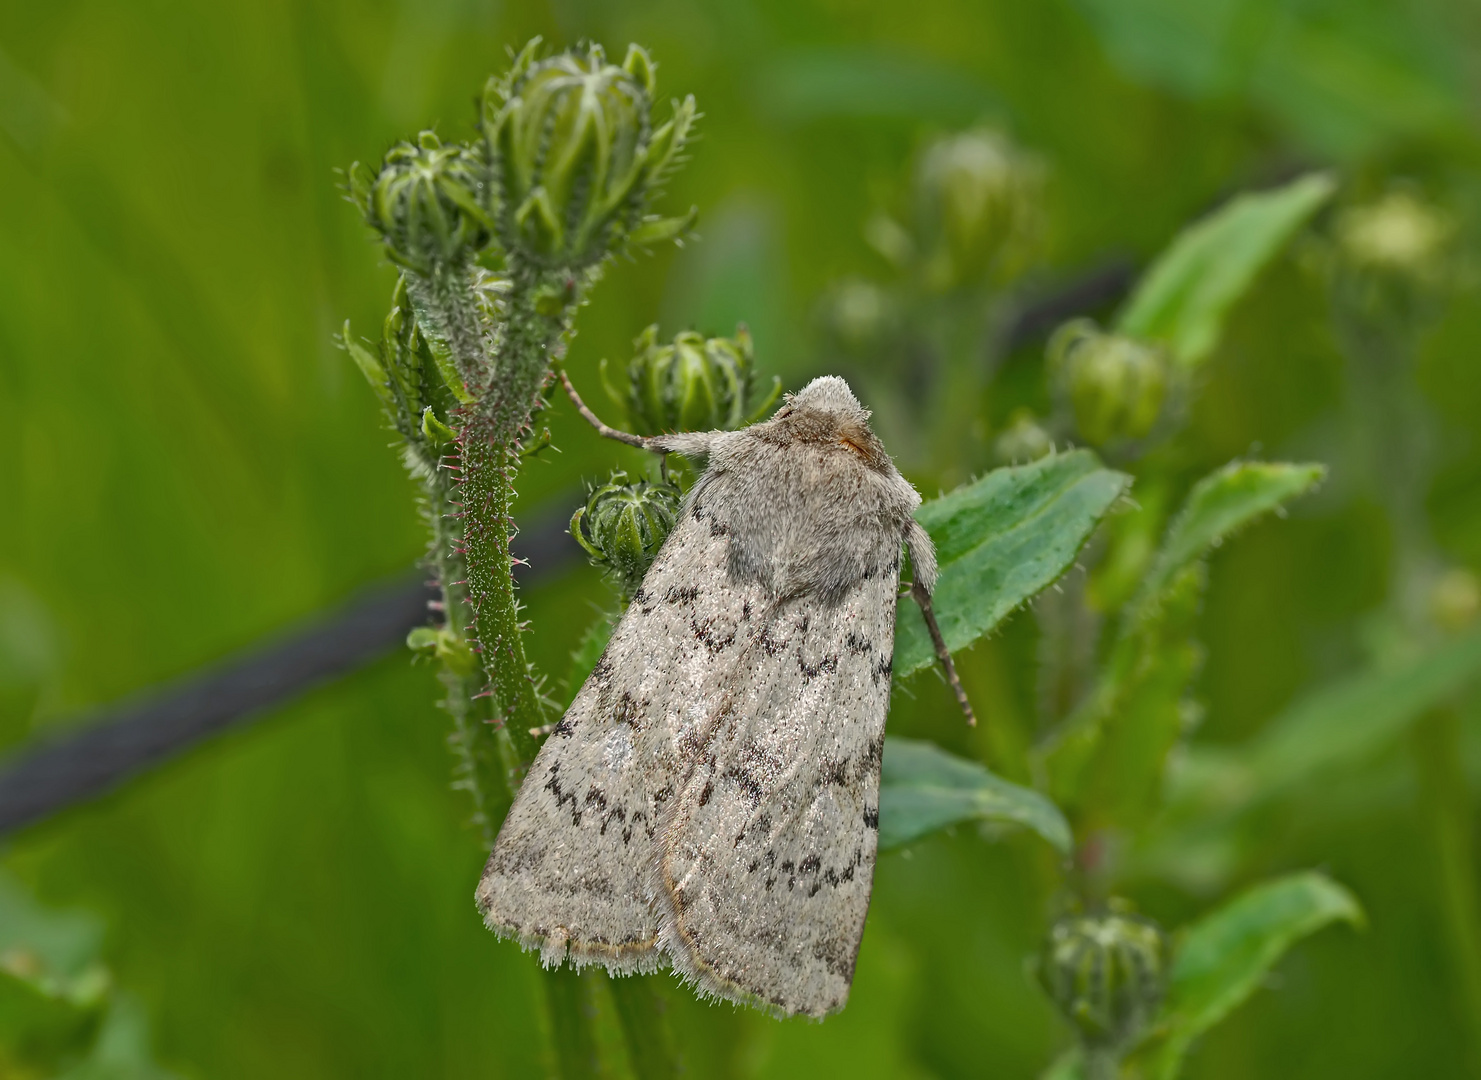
(555, 949)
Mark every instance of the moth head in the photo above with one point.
(826, 411)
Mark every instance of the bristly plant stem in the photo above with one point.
(540, 306)
(482, 755)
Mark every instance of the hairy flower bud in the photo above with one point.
(426, 202)
(623, 525)
(1115, 384)
(1023, 440)
(692, 384)
(1106, 973)
(575, 158)
(977, 208)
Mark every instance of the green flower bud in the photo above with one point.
(1115, 384)
(575, 158)
(1023, 440)
(694, 384)
(977, 208)
(1397, 234)
(444, 644)
(1394, 260)
(1106, 973)
(426, 202)
(623, 525)
(859, 315)
(1455, 599)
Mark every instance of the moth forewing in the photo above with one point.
(768, 851)
(570, 871)
(713, 793)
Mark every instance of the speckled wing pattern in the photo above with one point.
(768, 851)
(712, 795)
(573, 864)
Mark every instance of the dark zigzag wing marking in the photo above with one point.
(572, 862)
(768, 852)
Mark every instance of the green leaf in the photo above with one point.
(1000, 540)
(369, 366)
(1226, 954)
(1219, 504)
(1186, 294)
(1109, 755)
(923, 788)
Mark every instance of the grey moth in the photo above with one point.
(710, 801)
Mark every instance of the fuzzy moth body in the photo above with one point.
(710, 801)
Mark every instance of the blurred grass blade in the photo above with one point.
(122, 1049)
(1183, 298)
(1220, 504)
(807, 86)
(923, 788)
(1225, 955)
(1070, 1065)
(1000, 540)
(1340, 724)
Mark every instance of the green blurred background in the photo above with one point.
(187, 463)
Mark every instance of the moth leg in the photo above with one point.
(923, 566)
(591, 418)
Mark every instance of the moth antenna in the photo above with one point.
(592, 419)
(943, 654)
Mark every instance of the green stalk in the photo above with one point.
(640, 1012)
(1447, 803)
(569, 995)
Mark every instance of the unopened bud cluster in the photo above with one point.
(692, 383)
(1106, 973)
(1115, 385)
(623, 525)
(426, 202)
(562, 175)
(574, 155)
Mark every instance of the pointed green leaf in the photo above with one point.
(369, 366)
(1225, 955)
(923, 788)
(1000, 540)
(1186, 294)
(654, 230)
(1220, 504)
